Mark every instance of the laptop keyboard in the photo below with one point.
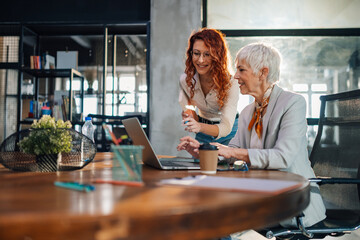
(176, 164)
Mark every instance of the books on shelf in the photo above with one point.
(32, 66)
(42, 62)
(35, 62)
(65, 109)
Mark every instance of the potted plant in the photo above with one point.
(47, 140)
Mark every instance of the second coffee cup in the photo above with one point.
(208, 158)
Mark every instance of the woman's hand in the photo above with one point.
(189, 113)
(225, 151)
(191, 125)
(190, 145)
(235, 153)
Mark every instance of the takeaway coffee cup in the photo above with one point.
(208, 158)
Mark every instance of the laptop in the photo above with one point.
(138, 136)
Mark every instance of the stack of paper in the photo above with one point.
(234, 184)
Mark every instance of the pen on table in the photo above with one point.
(116, 182)
(75, 186)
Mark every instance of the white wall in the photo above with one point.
(172, 22)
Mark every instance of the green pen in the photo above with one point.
(75, 186)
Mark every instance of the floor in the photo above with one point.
(253, 235)
(353, 236)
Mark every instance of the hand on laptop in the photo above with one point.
(190, 145)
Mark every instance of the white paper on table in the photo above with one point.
(234, 184)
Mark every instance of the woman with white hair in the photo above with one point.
(272, 130)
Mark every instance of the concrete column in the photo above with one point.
(172, 22)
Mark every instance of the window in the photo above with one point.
(123, 90)
(282, 14)
(312, 66)
(126, 91)
(319, 42)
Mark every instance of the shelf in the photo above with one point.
(23, 96)
(11, 95)
(91, 95)
(87, 29)
(58, 73)
(12, 66)
(28, 121)
(52, 73)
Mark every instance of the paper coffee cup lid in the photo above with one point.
(207, 146)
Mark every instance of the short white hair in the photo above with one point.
(260, 55)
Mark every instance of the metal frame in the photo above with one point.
(204, 13)
(105, 47)
(293, 32)
(114, 39)
(9, 30)
(20, 77)
(148, 83)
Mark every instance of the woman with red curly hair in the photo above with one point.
(208, 85)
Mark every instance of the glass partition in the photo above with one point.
(282, 14)
(126, 85)
(311, 66)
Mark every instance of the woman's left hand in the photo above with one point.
(190, 145)
(191, 125)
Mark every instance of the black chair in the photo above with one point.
(335, 158)
(98, 120)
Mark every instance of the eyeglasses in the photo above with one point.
(197, 54)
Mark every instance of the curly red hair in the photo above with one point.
(214, 40)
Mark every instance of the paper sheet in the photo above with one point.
(234, 184)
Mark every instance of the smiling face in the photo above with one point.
(201, 58)
(248, 81)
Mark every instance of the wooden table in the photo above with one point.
(31, 207)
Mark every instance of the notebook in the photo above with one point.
(138, 136)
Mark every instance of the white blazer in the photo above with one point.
(284, 145)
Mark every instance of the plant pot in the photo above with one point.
(48, 162)
(90, 90)
(67, 141)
